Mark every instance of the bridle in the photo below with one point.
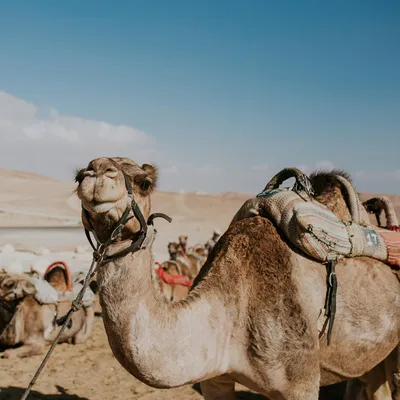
(11, 310)
(145, 234)
(145, 238)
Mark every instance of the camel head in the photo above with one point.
(183, 241)
(15, 287)
(103, 192)
(173, 248)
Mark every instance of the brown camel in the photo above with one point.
(253, 315)
(199, 250)
(182, 239)
(192, 261)
(378, 383)
(174, 279)
(23, 320)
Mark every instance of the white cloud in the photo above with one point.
(260, 167)
(28, 142)
(13, 108)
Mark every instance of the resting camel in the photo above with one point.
(174, 280)
(253, 313)
(23, 320)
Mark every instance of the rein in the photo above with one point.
(11, 311)
(146, 236)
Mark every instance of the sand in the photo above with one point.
(42, 215)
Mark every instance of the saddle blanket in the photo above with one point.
(47, 294)
(315, 230)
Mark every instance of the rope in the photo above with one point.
(66, 319)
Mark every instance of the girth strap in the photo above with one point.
(330, 300)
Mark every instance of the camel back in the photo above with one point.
(58, 275)
(58, 285)
(315, 230)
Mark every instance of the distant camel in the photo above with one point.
(23, 320)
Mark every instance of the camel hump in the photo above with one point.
(379, 205)
(58, 274)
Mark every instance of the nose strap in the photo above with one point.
(145, 234)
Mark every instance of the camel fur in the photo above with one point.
(253, 315)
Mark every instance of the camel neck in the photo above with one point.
(154, 340)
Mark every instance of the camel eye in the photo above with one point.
(144, 185)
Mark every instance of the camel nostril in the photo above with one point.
(111, 172)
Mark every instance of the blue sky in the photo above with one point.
(221, 94)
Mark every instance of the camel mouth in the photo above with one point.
(102, 207)
(99, 207)
(10, 297)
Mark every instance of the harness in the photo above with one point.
(12, 311)
(303, 189)
(145, 234)
(145, 238)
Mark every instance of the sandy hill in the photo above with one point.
(28, 199)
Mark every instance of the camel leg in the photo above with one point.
(87, 327)
(395, 357)
(219, 388)
(371, 386)
(303, 382)
(355, 390)
(32, 348)
(302, 393)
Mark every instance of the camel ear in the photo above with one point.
(28, 287)
(147, 181)
(79, 174)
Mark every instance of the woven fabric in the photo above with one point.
(367, 242)
(320, 232)
(45, 293)
(88, 297)
(315, 230)
(392, 242)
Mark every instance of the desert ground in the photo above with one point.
(40, 223)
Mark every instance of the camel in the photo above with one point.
(174, 279)
(213, 240)
(199, 250)
(253, 315)
(24, 320)
(379, 382)
(182, 239)
(193, 261)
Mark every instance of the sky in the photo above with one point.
(220, 95)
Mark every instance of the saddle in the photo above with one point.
(315, 230)
(58, 285)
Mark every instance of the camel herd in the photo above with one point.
(175, 276)
(255, 305)
(30, 305)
